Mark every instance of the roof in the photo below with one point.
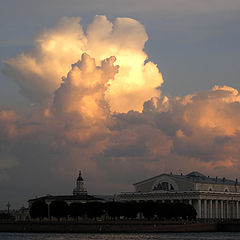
(195, 177)
(195, 174)
(199, 177)
(107, 198)
(67, 198)
(79, 178)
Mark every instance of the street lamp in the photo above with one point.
(8, 207)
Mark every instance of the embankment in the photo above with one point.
(109, 227)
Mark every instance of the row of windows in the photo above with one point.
(165, 186)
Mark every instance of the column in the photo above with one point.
(48, 205)
(205, 208)
(221, 209)
(227, 209)
(210, 208)
(190, 201)
(216, 208)
(232, 210)
(234, 215)
(199, 215)
(237, 211)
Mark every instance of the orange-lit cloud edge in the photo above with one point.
(101, 110)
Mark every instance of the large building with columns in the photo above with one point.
(213, 198)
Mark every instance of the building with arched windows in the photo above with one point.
(213, 198)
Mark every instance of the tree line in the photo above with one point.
(112, 210)
(6, 216)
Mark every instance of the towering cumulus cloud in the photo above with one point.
(100, 109)
(39, 71)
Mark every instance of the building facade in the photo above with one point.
(79, 195)
(213, 198)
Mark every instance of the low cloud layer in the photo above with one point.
(101, 111)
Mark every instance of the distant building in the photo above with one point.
(213, 198)
(79, 195)
(22, 214)
(80, 189)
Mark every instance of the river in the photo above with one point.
(132, 236)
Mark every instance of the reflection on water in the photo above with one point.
(137, 236)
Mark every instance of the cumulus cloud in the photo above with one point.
(101, 112)
(198, 131)
(205, 126)
(82, 91)
(39, 71)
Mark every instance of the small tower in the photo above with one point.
(80, 189)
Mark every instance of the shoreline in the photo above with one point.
(118, 227)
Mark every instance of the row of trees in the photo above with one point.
(6, 216)
(113, 210)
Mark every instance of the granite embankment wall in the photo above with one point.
(229, 226)
(109, 227)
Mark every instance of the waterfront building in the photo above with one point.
(79, 195)
(22, 214)
(213, 198)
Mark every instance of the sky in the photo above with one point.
(123, 90)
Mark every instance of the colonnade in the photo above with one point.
(218, 209)
(208, 205)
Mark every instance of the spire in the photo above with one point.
(80, 176)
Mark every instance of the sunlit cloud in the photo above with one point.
(39, 71)
(101, 110)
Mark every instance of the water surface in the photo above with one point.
(132, 236)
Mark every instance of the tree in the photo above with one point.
(148, 209)
(175, 210)
(130, 209)
(190, 212)
(94, 209)
(39, 209)
(178, 210)
(159, 210)
(114, 209)
(183, 210)
(164, 210)
(6, 216)
(58, 209)
(77, 210)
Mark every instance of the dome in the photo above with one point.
(195, 174)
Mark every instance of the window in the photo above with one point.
(158, 187)
(165, 186)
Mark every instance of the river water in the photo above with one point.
(146, 236)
